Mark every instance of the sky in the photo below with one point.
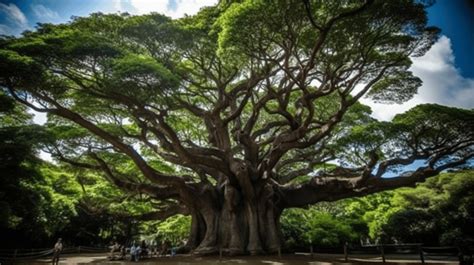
(447, 69)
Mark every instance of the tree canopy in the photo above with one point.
(240, 111)
(41, 201)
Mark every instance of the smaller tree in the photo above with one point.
(438, 212)
(31, 208)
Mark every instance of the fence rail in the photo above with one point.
(432, 253)
(464, 255)
(29, 254)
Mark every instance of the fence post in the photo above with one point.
(79, 249)
(382, 250)
(14, 254)
(346, 252)
(220, 253)
(422, 258)
(311, 250)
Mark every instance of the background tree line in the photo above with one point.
(437, 212)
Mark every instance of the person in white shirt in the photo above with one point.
(58, 248)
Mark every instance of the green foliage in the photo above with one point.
(174, 230)
(425, 125)
(140, 77)
(36, 199)
(374, 211)
(318, 227)
(40, 201)
(437, 212)
(325, 230)
(252, 29)
(399, 88)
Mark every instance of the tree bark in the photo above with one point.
(225, 219)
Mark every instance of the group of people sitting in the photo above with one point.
(117, 251)
(139, 251)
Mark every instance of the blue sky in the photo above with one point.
(447, 70)
(456, 20)
(18, 15)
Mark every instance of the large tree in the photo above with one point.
(243, 110)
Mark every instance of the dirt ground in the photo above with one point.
(303, 258)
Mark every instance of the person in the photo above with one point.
(164, 249)
(123, 252)
(144, 249)
(138, 252)
(173, 251)
(133, 251)
(58, 248)
(113, 248)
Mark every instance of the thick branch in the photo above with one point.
(333, 189)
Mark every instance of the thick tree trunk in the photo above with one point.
(235, 224)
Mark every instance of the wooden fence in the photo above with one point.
(12, 255)
(424, 253)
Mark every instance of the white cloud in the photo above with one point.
(147, 6)
(442, 83)
(117, 5)
(172, 8)
(44, 14)
(190, 7)
(6, 30)
(13, 14)
(16, 21)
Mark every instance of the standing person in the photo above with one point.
(164, 249)
(133, 252)
(144, 249)
(58, 248)
(138, 251)
(173, 251)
